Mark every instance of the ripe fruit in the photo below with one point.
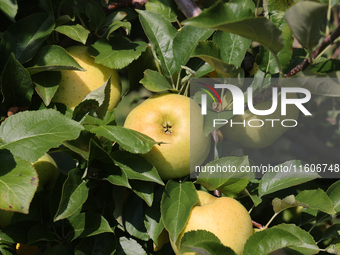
(225, 217)
(259, 136)
(75, 85)
(5, 218)
(172, 119)
(48, 172)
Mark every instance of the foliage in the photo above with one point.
(109, 199)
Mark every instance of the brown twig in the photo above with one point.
(188, 7)
(323, 45)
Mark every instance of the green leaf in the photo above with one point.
(17, 232)
(326, 66)
(334, 194)
(129, 246)
(133, 216)
(229, 182)
(24, 37)
(88, 224)
(304, 19)
(46, 84)
(274, 181)
(7, 248)
(30, 134)
(161, 35)
(316, 199)
(318, 84)
(95, 14)
(269, 240)
(266, 59)
(210, 52)
(136, 167)
(116, 53)
(75, 32)
(203, 242)
(40, 233)
(143, 189)
(118, 24)
(74, 195)
(155, 81)
(177, 201)
(233, 47)
(104, 243)
(130, 140)
(234, 18)
(308, 246)
(10, 8)
(16, 84)
(52, 58)
(185, 42)
(282, 204)
(107, 170)
(152, 217)
(18, 183)
(166, 8)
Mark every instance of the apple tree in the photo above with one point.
(108, 198)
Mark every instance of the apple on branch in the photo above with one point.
(225, 217)
(76, 85)
(176, 121)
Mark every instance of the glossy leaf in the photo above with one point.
(89, 224)
(116, 53)
(233, 18)
(282, 204)
(227, 181)
(129, 246)
(232, 47)
(16, 85)
(46, 85)
(24, 37)
(210, 52)
(75, 32)
(334, 194)
(133, 216)
(304, 19)
(161, 35)
(204, 243)
(130, 140)
(53, 58)
(166, 8)
(136, 167)
(185, 42)
(18, 183)
(177, 201)
(10, 8)
(274, 181)
(155, 81)
(316, 199)
(74, 195)
(266, 241)
(41, 130)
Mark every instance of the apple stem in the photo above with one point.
(258, 225)
(217, 193)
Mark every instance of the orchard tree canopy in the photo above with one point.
(71, 72)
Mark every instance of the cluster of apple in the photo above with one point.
(167, 118)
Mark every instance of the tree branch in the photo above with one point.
(188, 7)
(323, 45)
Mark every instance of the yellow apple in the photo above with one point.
(176, 121)
(5, 218)
(76, 85)
(225, 217)
(48, 172)
(259, 136)
(163, 238)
